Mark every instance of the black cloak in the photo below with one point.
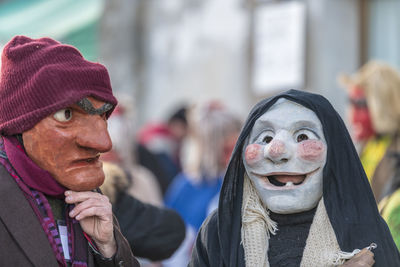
(348, 197)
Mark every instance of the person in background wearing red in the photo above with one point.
(159, 147)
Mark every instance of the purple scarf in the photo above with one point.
(29, 172)
(35, 183)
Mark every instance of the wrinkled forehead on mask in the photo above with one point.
(88, 107)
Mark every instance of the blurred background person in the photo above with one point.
(159, 147)
(374, 93)
(121, 126)
(213, 131)
(374, 114)
(154, 233)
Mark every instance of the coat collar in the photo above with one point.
(22, 223)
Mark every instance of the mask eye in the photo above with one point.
(301, 137)
(267, 139)
(63, 115)
(304, 135)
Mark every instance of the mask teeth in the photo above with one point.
(289, 184)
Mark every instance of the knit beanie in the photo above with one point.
(41, 76)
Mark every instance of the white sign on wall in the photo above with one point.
(279, 47)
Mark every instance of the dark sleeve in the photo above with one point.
(123, 257)
(154, 233)
(206, 250)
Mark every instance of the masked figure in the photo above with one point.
(54, 107)
(374, 94)
(295, 194)
(376, 85)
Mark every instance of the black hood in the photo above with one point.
(347, 194)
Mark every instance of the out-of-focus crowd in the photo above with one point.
(167, 174)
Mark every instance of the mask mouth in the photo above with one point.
(88, 160)
(284, 180)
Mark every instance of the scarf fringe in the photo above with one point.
(254, 210)
(341, 256)
(257, 227)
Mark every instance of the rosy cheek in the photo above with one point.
(253, 153)
(311, 150)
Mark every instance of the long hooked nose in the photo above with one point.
(276, 151)
(94, 135)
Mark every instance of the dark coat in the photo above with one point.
(348, 198)
(154, 233)
(23, 241)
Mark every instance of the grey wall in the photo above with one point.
(332, 47)
(163, 53)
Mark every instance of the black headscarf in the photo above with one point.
(348, 197)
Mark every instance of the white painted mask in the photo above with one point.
(284, 157)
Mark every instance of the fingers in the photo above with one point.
(94, 213)
(365, 258)
(73, 197)
(88, 209)
(368, 257)
(101, 212)
(89, 204)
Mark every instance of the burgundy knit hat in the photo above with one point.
(41, 76)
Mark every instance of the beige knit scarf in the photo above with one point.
(321, 247)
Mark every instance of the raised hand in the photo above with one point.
(94, 213)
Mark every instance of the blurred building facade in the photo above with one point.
(165, 53)
(188, 51)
